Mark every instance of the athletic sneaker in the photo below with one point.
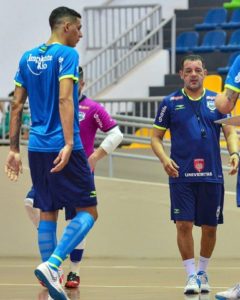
(60, 275)
(73, 280)
(205, 287)
(51, 280)
(232, 293)
(193, 285)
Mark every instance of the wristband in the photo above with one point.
(234, 153)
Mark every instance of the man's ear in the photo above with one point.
(181, 74)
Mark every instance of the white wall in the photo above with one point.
(136, 83)
(24, 25)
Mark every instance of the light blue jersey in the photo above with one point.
(40, 71)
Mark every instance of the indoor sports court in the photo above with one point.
(131, 252)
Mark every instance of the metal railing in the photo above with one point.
(124, 53)
(104, 24)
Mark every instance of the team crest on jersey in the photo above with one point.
(81, 116)
(211, 105)
(199, 164)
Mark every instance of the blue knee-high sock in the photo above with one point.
(73, 234)
(47, 239)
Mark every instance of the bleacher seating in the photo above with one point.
(212, 41)
(234, 21)
(213, 83)
(213, 19)
(186, 41)
(232, 57)
(234, 42)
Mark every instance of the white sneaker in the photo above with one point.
(51, 280)
(61, 275)
(193, 285)
(232, 293)
(204, 287)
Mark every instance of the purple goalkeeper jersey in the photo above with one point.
(92, 116)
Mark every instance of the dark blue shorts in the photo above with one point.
(73, 186)
(197, 202)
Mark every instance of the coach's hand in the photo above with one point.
(13, 165)
(170, 167)
(62, 159)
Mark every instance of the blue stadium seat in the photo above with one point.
(186, 41)
(234, 42)
(234, 21)
(212, 41)
(232, 57)
(213, 19)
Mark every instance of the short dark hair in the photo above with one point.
(191, 57)
(80, 70)
(58, 13)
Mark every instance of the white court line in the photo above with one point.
(165, 185)
(124, 267)
(113, 286)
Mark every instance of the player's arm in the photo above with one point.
(169, 165)
(66, 110)
(231, 137)
(226, 101)
(13, 164)
(108, 145)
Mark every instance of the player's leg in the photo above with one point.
(208, 216)
(32, 212)
(182, 213)
(75, 187)
(40, 165)
(73, 277)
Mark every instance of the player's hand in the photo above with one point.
(62, 159)
(233, 163)
(13, 165)
(171, 167)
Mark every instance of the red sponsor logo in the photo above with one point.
(199, 164)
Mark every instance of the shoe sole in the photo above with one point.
(54, 293)
(221, 298)
(191, 292)
(71, 285)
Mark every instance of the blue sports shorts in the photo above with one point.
(197, 202)
(73, 186)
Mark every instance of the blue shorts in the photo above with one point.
(73, 186)
(197, 202)
(238, 188)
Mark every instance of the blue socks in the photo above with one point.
(76, 255)
(47, 239)
(73, 234)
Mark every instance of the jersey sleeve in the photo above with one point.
(68, 64)
(162, 120)
(19, 77)
(233, 78)
(103, 120)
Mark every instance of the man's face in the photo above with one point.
(73, 32)
(193, 74)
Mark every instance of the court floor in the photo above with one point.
(116, 279)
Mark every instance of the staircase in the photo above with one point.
(185, 21)
(120, 50)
